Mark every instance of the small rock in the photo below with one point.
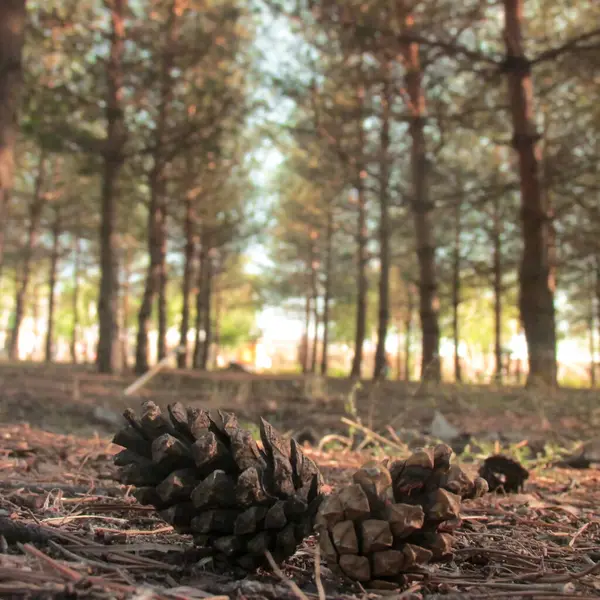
(442, 429)
(106, 416)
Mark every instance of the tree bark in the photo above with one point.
(206, 344)
(315, 306)
(4, 217)
(498, 287)
(384, 228)
(536, 297)
(199, 303)
(422, 209)
(597, 289)
(52, 276)
(362, 284)
(305, 342)
(152, 276)
(125, 303)
(35, 213)
(399, 353)
(156, 274)
(592, 321)
(107, 358)
(408, 325)
(456, 266)
(162, 285)
(328, 285)
(35, 314)
(75, 299)
(361, 238)
(548, 204)
(217, 321)
(315, 344)
(186, 286)
(12, 36)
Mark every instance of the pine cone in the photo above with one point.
(206, 476)
(391, 520)
(503, 474)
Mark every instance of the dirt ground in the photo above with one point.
(63, 398)
(69, 531)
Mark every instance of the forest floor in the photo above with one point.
(71, 532)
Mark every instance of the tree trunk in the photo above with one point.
(75, 299)
(35, 213)
(199, 304)
(422, 209)
(152, 276)
(410, 308)
(362, 284)
(52, 276)
(4, 217)
(208, 279)
(315, 303)
(361, 238)
(597, 289)
(328, 285)
(498, 288)
(186, 287)
(125, 303)
(536, 298)
(399, 353)
(217, 321)
(518, 371)
(547, 203)
(156, 274)
(145, 310)
(108, 302)
(456, 265)
(12, 35)
(384, 229)
(35, 314)
(305, 342)
(592, 322)
(315, 344)
(162, 285)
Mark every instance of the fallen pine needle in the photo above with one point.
(55, 565)
(578, 533)
(375, 435)
(136, 532)
(291, 584)
(318, 582)
(69, 518)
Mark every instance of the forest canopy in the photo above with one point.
(412, 185)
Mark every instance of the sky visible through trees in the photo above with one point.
(403, 189)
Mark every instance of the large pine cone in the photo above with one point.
(206, 476)
(391, 520)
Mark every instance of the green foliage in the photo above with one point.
(64, 317)
(236, 327)
(239, 301)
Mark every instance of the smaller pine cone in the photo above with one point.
(392, 520)
(206, 476)
(503, 474)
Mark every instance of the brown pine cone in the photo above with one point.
(390, 521)
(207, 476)
(503, 474)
